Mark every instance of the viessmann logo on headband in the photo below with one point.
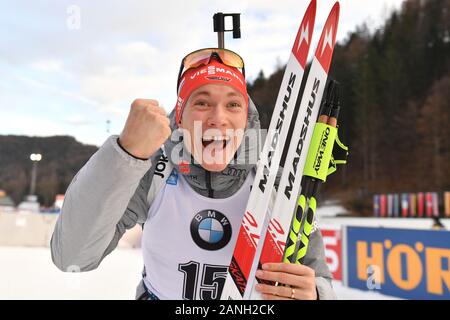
(213, 70)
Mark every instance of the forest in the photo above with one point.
(395, 85)
(395, 105)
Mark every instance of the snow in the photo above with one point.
(28, 273)
(330, 209)
(345, 293)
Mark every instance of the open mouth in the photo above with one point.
(216, 142)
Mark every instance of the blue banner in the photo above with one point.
(411, 264)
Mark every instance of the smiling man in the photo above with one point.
(191, 221)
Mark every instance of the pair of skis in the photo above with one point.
(255, 247)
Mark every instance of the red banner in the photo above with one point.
(333, 249)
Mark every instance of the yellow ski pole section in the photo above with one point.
(294, 230)
(307, 227)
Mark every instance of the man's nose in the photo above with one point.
(217, 117)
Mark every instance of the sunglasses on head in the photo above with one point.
(203, 57)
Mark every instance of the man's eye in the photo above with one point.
(201, 103)
(234, 105)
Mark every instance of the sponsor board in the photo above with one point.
(411, 264)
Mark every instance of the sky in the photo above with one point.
(72, 67)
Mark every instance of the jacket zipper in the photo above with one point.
(208, 184)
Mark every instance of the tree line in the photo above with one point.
(395, 85)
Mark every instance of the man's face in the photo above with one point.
(214, 120)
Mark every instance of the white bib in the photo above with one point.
(188, 240)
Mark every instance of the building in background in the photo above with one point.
(6, 203)
(29, 204)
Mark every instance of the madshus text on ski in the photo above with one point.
(257, 243)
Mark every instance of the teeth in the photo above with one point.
(216, 141)
(216, 138)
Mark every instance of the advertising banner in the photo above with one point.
(406, 263)
(333, 248)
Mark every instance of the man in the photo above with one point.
(191, 221)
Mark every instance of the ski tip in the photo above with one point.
(304, 34)
(324, 50)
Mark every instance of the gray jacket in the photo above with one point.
(110, 194)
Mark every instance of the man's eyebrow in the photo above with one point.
(206, 93)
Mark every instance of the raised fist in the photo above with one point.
(146, 129)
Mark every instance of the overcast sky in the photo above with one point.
(66, 67)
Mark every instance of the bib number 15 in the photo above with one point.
(212, 279)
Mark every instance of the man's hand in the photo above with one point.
(146, 129)
(295, 281)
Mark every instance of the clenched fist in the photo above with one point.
(146, 129)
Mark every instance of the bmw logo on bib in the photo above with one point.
(210, 230)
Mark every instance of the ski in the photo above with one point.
(277, 231)
(268, 163)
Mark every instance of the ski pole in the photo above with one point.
(307, 183)
(311, 203)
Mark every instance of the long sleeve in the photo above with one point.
(106, 197)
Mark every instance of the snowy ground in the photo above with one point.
(345, 293)
(28, 273)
